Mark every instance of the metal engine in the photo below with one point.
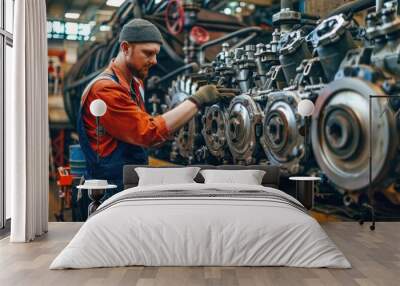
(335, 63)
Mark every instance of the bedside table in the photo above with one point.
(305, 190)
(96, 192)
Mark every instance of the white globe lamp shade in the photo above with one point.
(305, 107)
(98, 107)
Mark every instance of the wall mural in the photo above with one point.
(303, 90)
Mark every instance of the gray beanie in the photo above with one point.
(140, 31)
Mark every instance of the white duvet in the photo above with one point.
(204, 231)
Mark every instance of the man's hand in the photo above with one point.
(206, 95)
(210, 94)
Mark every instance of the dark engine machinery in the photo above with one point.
(336, 64)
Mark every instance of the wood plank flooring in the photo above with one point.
(375, 257)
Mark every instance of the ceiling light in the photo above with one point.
(71, 15)
(227, 11)
(114, 3)
(105, 28)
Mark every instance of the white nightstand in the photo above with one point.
(305, 190)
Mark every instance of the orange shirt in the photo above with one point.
(124, 119)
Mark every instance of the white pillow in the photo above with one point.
(248, 177)
(164, 176)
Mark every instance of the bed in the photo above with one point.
(201, 224)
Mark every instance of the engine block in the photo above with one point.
(331, 65)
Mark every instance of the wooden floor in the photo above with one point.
(375, 257)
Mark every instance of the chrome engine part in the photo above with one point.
(293, 51)
(340, 130)
(215, 118)
(282, 140)
(244, 65)
(341, 137)
(382, 30)
(244, 129)
(337, 65)
(332, 40)
(180, 89)
(215, 121)
(188, 139)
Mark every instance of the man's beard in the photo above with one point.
(141, 74)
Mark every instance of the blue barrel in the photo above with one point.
(77, 160)
(75, 153)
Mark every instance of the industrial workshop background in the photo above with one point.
(282, 57)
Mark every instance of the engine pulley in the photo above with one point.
(340, 133)
(281, 139)
(244, 128)
(214, 130)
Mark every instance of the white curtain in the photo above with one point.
(27, 124)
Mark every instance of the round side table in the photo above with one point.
(305, 190)
(96, 191)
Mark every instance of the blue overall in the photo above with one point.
(110, 167)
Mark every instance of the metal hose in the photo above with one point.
(353, 7)
(220, 40)
(379, 5)
(286, 4)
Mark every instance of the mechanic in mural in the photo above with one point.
(126, 128)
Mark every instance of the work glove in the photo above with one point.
(211, 94)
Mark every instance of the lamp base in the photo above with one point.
(362, 220)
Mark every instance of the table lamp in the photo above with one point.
(98, 108)
(305, 108)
